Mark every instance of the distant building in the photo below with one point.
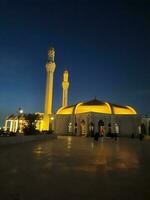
(16, 123)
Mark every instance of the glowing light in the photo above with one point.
(93, 108)
(65, 111)
(20, 111)
(52, 118)
(124, 111)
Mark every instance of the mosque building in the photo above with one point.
(82, 118)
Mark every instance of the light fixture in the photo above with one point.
(52, 118)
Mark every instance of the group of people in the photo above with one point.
(101, 133)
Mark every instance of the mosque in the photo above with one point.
(82, 118)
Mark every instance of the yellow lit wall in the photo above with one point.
(124, 111)
(66, 111)
(93, 108)
(105, 108)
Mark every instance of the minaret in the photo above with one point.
(65, 86)
(50, 68)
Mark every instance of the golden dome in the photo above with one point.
(97, 107)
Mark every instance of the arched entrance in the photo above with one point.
(70, 128)
(82, 128)
(91, 129)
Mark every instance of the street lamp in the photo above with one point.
(52, 118)
(20, 111)
(51, 127)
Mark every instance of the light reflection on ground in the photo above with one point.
(76, 168)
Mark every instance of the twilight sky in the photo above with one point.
(105, 45)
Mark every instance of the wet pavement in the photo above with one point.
(72, 168)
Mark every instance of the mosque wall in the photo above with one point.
(61, 124)
(128, 124)
(80, 124)
(146, 123)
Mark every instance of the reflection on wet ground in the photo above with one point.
(76, 168)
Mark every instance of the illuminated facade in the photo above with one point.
(82, 118)
(16, 123)
(65, 86)
(85, 118)
(50, 68)
(97, 107)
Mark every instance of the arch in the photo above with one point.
(91, 129)
(59, 110)
(82, 127)
(110, 109)
(70, 127)
(76, 107)
(132, 109)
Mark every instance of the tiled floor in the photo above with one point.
(72, 168)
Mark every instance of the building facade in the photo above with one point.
(92, 116)
(84, 118)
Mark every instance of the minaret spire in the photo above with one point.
(65, 86)
(50, 68)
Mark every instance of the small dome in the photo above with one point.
(97, 107)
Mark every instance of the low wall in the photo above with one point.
(23, 139)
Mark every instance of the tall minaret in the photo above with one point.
(65, 86)
(50, 68)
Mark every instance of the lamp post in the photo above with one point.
(52, 124)
(20, 111)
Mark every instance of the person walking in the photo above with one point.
(116, 131)
(140, 133)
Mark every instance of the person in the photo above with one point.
(96, 136)
(116, 131)
(101, 131)
(140, 133)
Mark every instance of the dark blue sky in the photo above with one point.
(105, 45)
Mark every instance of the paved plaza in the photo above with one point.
(72, 168)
